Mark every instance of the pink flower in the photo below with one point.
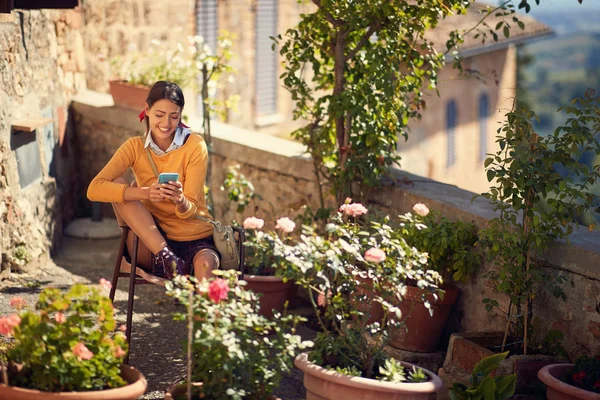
(123, 328)
(218, 289)
(253, 223)
(421, 209)
(105, 284)
(7, 324)
(375, 255)
(82, 352)
(285, 224)
(348, 200)
(353, 210)
(119, 352)
(322, 299)
(60, 318)
(17, 302)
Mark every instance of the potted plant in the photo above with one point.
(233, 352)
(450, 247)
(573, 381)
(348, 358)
(265, 260)
(68, 346)
(540, 185)
(485, 386)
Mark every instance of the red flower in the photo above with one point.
(218, 289)
(578, 377)
(597, 385)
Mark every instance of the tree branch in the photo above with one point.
(330, 18)
(363, 40)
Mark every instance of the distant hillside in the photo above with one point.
(565, 22)
(562, 67)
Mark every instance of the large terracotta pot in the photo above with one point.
(179, 390)
(128, 96)
(135, 388)
(558, 390)
(274, 292)
(422, 331)
(324, 384)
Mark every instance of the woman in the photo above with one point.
(163, 216)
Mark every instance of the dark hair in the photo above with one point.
(162, 90)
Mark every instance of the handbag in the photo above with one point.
(223, 235)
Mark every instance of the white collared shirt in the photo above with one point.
(180, 135)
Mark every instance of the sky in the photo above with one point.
(565, 5)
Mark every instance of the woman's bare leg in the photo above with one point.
(140, 221)
(205, 261)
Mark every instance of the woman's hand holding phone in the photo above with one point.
(173, 191)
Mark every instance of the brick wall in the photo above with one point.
(42, 64)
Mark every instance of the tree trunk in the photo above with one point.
(340, 129)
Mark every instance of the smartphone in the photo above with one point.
(166, 177)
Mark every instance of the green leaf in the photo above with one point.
(488, 365)
(505, 386)
(487, 388)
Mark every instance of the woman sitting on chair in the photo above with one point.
(163, 215)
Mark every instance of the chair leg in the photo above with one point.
(115, 278)
(131, 294)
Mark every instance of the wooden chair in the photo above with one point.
(137, 276)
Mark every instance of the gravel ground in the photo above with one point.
(156, 348)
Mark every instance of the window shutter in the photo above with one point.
(451, 119)
(207, 23)
(266, 58)
(483, 119)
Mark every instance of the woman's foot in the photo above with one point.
(167, 264)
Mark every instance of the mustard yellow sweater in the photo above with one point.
(190, 161)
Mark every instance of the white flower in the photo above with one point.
(421, 209)
(285, 224)
(375, 255)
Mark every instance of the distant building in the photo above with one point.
(459, 127)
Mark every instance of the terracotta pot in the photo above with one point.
(135, 388)
(373, 308)
(128, 96)
(324, 384)
(422, 331)
(558, 390)
(274, 292)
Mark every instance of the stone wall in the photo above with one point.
(282, 175)
(42, 64)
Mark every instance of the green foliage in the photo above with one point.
(236, 353)
(483, 386)
(240, 191)
(449, 244)
(20, 253)
(342, 279)
(585, 374)
(393, 371)
(536, 204)
(44, 355)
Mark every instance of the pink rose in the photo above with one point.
(421, 209)
(105, 284)
(375, 255)
(253, 223)
(285, 224)
(123, 328)
(7, 324)
(17, 302)
(353, 210)
(82, 352)
(348, 200)
(60, 318)
(119, 352)
(218, 289)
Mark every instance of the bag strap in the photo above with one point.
(214, 223)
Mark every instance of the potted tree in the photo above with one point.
(69, 346)
(348, 358)
(540, 187)
(265, 261)
(450, 247)
(573, 381)
(232, 351)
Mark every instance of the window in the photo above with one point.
(483, 119)
(6, 6)
(451, 118)
(207, 22)
(266, 58)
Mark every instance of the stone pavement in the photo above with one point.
(157, 342)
